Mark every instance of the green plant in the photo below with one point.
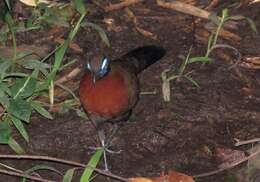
(17, 96)
(41, 16)
(220, 22)
(87, 174)
(212, 44)
(166, 87)
(22, 82)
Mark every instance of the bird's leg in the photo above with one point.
(109, 140)
(102, 138)
(105, 143)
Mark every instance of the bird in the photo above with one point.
(109, 89)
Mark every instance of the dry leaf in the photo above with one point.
(140, 179)
(229, 156)
(173, 176)
(34, 2)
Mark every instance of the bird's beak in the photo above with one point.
(94, 79)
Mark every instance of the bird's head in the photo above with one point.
(99, 67)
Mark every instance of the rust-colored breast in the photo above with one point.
(107, 98)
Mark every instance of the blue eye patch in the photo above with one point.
(104, 64)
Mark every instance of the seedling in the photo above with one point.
(212, 44)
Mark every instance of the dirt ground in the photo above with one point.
(181, 135)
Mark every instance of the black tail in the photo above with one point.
(143, 57)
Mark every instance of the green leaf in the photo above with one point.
(192, 81)
(92, 163)
(36, 64)
(9, 20)
(40, 167)
(4, 65)
(38, 107)
(68, 175)
(20, 109)
(4, 87)
(184, 63)
(252, 25)
(80, 7)
(5, 132)
(23, 87)
(100, 30)
(8, 4)
(23, 54)
(4, 99)
(19, 125)
(60, 52)
(210, 43)
(199, 59)
(225, 13)
(35, 74)
(15, 146)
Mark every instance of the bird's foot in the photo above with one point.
(105, 151)
(105, 144)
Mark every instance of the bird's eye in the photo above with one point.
(104, 64)
(88, 66)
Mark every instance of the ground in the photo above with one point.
(182, 134)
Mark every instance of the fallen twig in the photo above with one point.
(244, 142)
(250, 63)
(184, 8)
(137, 27)
(75, 72)
(227, 167)
(11, 173)
(212, 4)
(53, 159)
(121, 5)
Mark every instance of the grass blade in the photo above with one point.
(41, 110)
(41, 167)
(192, 81)
(15, 146)
(19, 126)
(93, 163)
(5, 132)
(69, 175)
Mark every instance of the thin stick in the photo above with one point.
(212, 4)
(75, 72)
(244, 142)
(11, 173)
(184, 8)
(11, 168)
(227, 167)
(53, 159)
(121, 5)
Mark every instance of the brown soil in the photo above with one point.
(180, 135)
